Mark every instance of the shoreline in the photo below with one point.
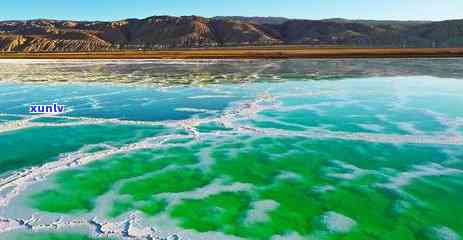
(250, 53)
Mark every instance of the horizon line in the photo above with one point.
(243, 16)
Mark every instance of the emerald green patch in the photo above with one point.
(219, 212)
(97, 178)
(172, 181)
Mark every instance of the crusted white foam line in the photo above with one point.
(133, 227)
(290, 236)
(453, 124)
(421, 171)
(22, 123)
(169, 225)
(409, 127)
(11, 115)
(33, 224)
(18, 182)
(216, 187)
(7, 225)
(353, 172)
(129, 228)
(242, 110)
(396, 139)
(358, 136)
(210, 96)
(444, 233)
(193, 110)
(28, 122)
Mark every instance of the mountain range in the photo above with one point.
(161, 32)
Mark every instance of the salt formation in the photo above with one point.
(443, 233)
(337, 223)
(260, 210)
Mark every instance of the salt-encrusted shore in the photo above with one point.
(27, 122)
(16, 183)
(129, 228)
(244, 110)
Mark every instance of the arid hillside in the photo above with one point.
(160, 32)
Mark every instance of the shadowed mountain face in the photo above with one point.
(192, 31)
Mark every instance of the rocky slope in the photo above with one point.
(192, 31)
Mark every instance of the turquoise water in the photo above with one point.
(297, 149)
(36, 146)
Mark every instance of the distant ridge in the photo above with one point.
(161, 32)
(256, 20)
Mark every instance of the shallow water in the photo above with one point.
(297, 149)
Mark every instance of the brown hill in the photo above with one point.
(191, 31)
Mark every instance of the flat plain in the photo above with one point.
(277, 52)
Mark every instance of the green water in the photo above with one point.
(288, 171)
(345, 156)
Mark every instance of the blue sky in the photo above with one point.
(308, 9)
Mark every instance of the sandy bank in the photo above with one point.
(250, 53)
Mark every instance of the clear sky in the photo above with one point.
(307, 9)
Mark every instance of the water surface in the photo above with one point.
(296, 149)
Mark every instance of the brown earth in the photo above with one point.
(250, 53)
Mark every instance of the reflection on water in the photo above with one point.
(220, 71)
